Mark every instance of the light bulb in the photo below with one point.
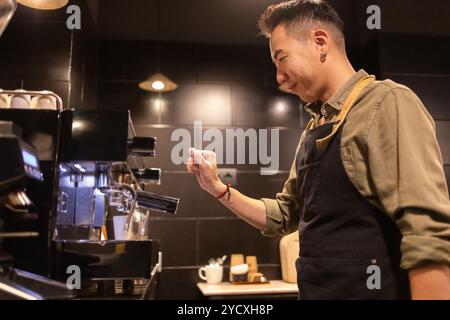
(158, 85)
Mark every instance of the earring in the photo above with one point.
(323, 57)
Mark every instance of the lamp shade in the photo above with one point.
(44, 4)
(7, 8)
(158, 83)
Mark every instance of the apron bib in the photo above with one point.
(349, 249)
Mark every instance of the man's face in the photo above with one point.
(298, 64)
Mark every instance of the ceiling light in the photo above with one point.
(44, 4)
(158, 83)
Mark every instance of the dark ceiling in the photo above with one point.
(234, 21)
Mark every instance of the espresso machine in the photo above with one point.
(20, 172)
(20, 167)
(101, 214)
(39, 128)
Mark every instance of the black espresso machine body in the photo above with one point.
(101, 206)
(91, 207)
(20, 173)
(40, 129)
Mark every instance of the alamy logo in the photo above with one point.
(374, 280)
(74, 20)
(374, 20)
(258, 148)
(74, 280)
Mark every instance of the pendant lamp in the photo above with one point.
(158, 82)
(44, 4)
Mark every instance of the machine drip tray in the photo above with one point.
(104, 260)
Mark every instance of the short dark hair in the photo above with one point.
(295, 14)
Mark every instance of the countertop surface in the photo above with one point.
(227, 288)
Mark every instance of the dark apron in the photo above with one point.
(343, 237)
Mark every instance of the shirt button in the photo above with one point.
(324, 112)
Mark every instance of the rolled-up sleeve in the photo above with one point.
(406, 168)
(283, 212)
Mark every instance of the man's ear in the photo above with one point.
(321, 40)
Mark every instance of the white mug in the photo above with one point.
(43, 102)
(213, 274)
(4, 101)
(20, 100)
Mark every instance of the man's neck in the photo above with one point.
(337, 77)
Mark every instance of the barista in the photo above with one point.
(367, 186)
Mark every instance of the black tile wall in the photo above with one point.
(112, 62)
(178, 284)
(89, 95)
(189, 62)
(126, 95)
(179, 60)
(39, 52)
(260, 106)
(28, 52)
(177, 240)
(270, 271)
(213, 67)
(257, 186)
(218, 237)
(141, 60)
(8, 84)
(209, 103)
(84, 62)
(213, 104)
(413, 54)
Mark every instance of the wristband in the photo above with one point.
(225, 192)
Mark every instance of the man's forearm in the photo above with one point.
(431, 282)
(251, 210)
(203, 165)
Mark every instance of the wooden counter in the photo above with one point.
(273, 289)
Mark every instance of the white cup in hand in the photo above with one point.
(198, 156)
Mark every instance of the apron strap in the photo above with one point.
(302, 137)
(348, 104)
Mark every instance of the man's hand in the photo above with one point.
(430, 283)
(203, 165)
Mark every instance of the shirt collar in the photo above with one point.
(338, 98)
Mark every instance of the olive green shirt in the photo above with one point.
(390, 153)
